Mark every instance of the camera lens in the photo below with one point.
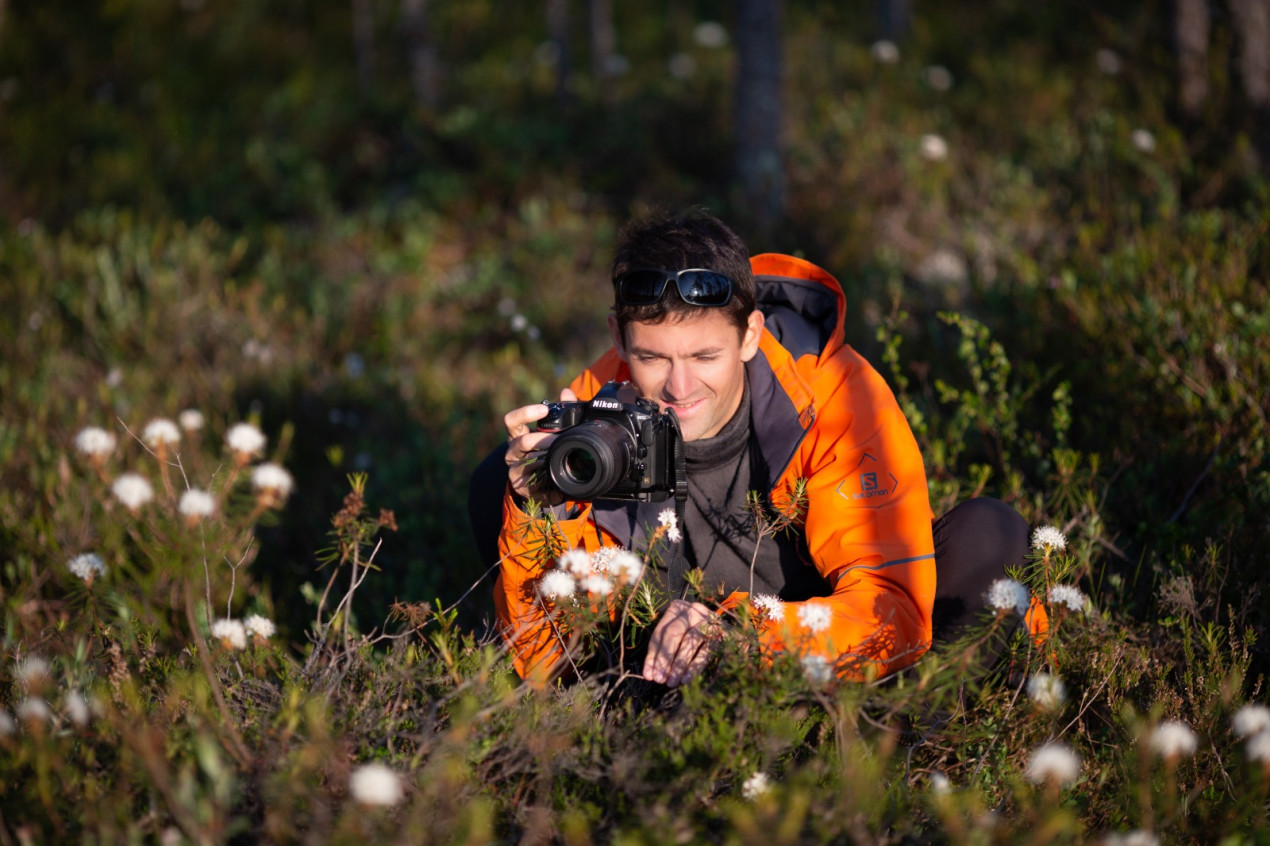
(580, 465)
(588, 460)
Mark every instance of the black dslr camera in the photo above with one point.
(617, 446)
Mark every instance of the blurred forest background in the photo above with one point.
(375, 225)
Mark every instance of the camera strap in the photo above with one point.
(678, 560)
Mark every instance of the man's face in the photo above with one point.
(695, 365)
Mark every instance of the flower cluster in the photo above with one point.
(272, 483)
(1047, 691)
(87, 566)
(769, 606)
(1068, 596)
(756, 785)
(1252, 722)
(1006, 596)
(818, 669)
(815, 616)
(1172, 740)
(597, 573)
(1048, 538)
(1054, 763)
(232, 634)
(376, 784)
(671, 524)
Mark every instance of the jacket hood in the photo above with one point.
(803, 305)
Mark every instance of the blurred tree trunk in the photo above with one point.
(425, 76)
(558, 31)
(364, 45)
(758, 111)
(1252, 19)
(1190, 29)
(603, 45)
(895, 19)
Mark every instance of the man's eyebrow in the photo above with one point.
(656, 354)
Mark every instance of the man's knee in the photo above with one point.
(995, 529)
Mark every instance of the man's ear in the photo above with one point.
(753, 334)
(615, 332)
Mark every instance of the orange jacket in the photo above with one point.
(823, 415)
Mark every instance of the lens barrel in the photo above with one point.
(588, 460)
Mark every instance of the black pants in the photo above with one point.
(974, 543)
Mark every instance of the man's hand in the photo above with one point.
(681, 643)
(523, 443)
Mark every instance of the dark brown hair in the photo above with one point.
(679, 241)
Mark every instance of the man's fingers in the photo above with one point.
(517, 421)
(567, 395)
(680, 645)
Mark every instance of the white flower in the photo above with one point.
(815, 616)
(596, 584)
(1108, 61)
(817, 669)
(376, 784)
(627, 566)
(1048, 537)
(95, 442)
(7, 725)
(576, 562)
(933, 147)
(939, 77)
(161, 432)
(34, 709)
(259, 627)
(710, 34)
(668, 519)
(245, 441)
(133, 491)
(76, 708)
(195, 505)
(1251, 720)
(602, 559)
(273, 481)
(1173, 739)
(32, 670)
(1143, 140)
(771, 606)
(756, 786)
(191, 419)
(1068, 595)
(557, 584)
(940, 785)
(1047, 691)
(231, 633)
(885, 52)
(1053, 762)
(682, 66)
(87, 566)
(1006, 595)
(1259, 748)
(1137, 837)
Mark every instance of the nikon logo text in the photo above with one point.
(610, 404)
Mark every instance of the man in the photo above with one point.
(750, 355)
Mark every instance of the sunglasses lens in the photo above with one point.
(704, 288)
(641, 287)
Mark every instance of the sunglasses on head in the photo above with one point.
(699, 287)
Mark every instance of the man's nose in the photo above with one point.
(680, 381)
